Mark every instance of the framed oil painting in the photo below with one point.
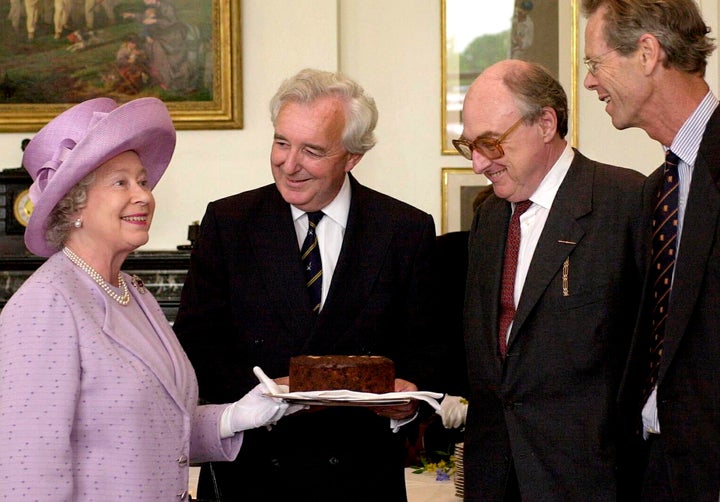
(477, 34)
(460, 186)
(185, 52)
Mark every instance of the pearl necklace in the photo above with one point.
(123, 299)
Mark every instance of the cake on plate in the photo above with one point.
(374, 374)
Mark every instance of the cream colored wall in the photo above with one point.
(393, 49)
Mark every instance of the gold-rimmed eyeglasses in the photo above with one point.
(490, 148)
(592, 63)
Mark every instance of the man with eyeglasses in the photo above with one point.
(654, 79)
(547, 334)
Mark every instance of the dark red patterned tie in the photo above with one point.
(310, 254)
(507, 289)
(665, 225)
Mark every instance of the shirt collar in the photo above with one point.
(337, 210)
(545, 192)
(686, 142)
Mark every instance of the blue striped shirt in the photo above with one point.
(685, 145)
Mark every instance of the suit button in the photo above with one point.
(182, 460)
(182, 495)
(334, 460)
(275, 462)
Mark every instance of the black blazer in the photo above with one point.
(550, 406)
(689, 376)
(244, 304)
(449, 272)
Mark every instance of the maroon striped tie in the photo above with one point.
(507, 289)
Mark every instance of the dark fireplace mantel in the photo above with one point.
(162, 272)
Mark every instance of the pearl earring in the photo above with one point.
(77, 223)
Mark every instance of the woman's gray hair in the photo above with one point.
(61, 219)
(310, 85)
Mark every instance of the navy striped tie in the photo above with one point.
(312, 263)
(664, 245)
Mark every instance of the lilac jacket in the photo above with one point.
(85, 412)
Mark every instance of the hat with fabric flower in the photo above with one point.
(80, 140)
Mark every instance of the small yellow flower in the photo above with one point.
(445, 465)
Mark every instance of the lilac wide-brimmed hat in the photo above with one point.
(80, 140)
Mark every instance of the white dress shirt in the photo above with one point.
(330, 232)
(533, 220)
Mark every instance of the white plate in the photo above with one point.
(351, 398)
(345, 402)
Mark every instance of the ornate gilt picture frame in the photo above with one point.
(460, 186)
(40, 78)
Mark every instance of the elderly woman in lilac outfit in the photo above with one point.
(97, 398)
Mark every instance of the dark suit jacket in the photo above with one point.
(689, 376)
(244, 304)
(549, 407)
(449, 273)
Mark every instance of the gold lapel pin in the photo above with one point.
(138, 284)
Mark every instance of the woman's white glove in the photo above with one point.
(255, 409)
(275, 388)
(453, 411)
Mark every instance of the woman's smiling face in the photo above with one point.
(120, 206)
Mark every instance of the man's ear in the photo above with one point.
(651, 52)
(352, 161)
(548, 123)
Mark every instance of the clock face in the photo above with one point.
(23, 207)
